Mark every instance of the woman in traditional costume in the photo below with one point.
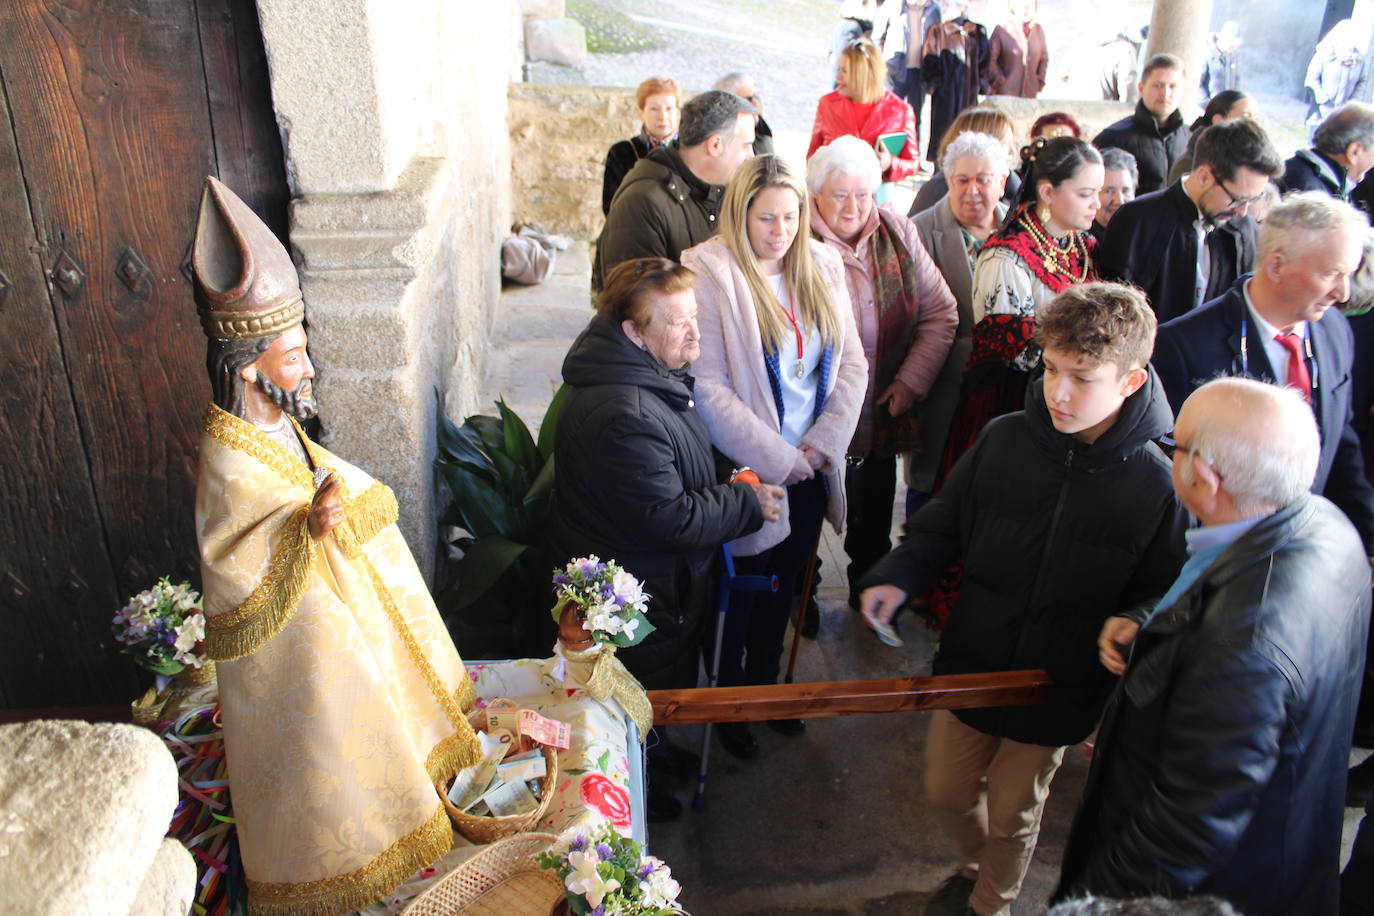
(1043, 248)
(780, 383)
(906, 317)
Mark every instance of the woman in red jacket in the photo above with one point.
(862, 107)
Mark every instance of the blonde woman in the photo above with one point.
(862, 107)
(780, 382)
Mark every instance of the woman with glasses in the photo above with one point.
(861, 107)
(906, 316)
(780, 382)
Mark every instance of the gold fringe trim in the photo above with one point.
(467, 695)
(242, 436)
(611, 680)
(248, 627)
(364, 518)
(356, 889)
(449, 701)
(449, 756)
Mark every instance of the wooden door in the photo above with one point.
(113, 113)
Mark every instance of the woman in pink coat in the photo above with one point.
(780, 381)
(861, 107)
(906, 317)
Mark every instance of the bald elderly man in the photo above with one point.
(1221, 760)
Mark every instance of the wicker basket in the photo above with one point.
(491, 829)
(501, 880)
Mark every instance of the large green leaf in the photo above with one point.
(464, 445)
(485, 561)
(548, 428)
(483, 508)
(514, 480)
(489, 429)
(519, 444)
(542, 486)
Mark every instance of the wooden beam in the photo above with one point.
(824, 699)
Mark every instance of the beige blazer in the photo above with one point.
(735, 397)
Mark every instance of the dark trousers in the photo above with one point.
(915, 92)
(751, 645)
(870, 488)
(1357, 881)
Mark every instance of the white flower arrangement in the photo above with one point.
(162, 628)
(606, 874)
(613, 601)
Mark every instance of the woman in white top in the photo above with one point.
(780, 382)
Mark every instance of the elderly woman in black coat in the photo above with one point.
(638, 481)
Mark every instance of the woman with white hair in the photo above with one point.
(906, 317)
(779, 383)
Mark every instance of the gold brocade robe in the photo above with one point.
(343, 696)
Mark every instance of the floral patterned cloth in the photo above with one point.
(595, 782)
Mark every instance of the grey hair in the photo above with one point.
(732, 80)
(843, 156)
(1362, 280)
(1143, 906)
(979, 146)
(713, 112)
(1353, 122)
(1261, 471)
(1122, 161)
(1298, 219)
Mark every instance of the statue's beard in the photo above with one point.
(296, 403)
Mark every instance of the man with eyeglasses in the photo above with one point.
(1221, 757)
(1186, 244)
(742, 85)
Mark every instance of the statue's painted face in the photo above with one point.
(284, 372)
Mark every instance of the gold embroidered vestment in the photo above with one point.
(343, 696)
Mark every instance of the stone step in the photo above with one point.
(525, 374)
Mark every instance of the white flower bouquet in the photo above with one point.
(162, 628)
(613, 601)
(606, 874)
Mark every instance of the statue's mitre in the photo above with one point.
(245, 283)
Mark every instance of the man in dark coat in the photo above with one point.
(1309, 246)
(1220, 762)
(1188, 243)
(1063, 514)
(1155, 134)
(1342, 153)
(637, 477)
(670, 200)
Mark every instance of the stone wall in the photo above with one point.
(1092, 115)
(393, 118)
(559, 136)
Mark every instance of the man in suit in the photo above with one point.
(1278, 325)
(953, 231)
(1188, 243)
(1342, 152)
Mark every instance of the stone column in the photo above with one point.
(393, 118)
(1181, 27)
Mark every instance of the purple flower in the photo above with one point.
(646, 869)
(599, 911)
(604, 851)
(561, 579)
(578, 843)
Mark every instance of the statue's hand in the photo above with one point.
(326, 509)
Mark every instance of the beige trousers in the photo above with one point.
(994, 832)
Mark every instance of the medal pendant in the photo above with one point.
(799, 372)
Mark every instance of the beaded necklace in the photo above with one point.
(1057, 260)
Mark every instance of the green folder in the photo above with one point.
(894, 143)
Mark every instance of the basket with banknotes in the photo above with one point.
(511, 788)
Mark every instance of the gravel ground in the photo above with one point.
(784, 44)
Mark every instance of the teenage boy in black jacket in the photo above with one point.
(1063, 514)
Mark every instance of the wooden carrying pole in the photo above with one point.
(824, 699)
